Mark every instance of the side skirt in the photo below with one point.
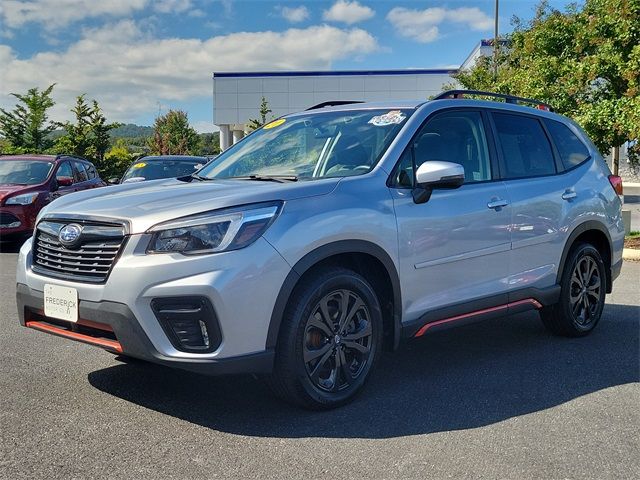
(482, 309)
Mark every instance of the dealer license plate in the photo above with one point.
(61, 302)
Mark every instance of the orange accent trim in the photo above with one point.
(427, 326)
(100, 342)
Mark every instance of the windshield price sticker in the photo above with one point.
(275, 123)
(394, 117)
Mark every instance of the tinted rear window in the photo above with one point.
(571, 149)
(526, 151)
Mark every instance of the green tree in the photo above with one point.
(210, 143)
(585, 62)
(88, 136)
(117, 159)
(255, 123)
(172, 135)
(25, 127)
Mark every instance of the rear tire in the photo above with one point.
(583, 290)
(330, 339)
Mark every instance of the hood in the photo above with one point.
(145, 204)
(7, 190)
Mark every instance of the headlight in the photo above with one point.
(24, 199)
(211, 232)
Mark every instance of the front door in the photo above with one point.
(455, 247)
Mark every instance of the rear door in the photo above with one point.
(92, 175)
(536, 190)
(82, 178)
(455, 247)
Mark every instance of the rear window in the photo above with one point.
(571, 149)
(526, 151)
(157, 169)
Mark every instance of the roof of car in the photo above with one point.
(386, 105)
(44, 158)
(174, 158)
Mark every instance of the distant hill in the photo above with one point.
(130, 130)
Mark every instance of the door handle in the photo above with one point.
(497, 203)
(569, 194)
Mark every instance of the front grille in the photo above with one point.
(89, 260)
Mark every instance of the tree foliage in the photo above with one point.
(585, 62)
(256, 123)
(117, 159)
(172, 135)
(88, 136)
(26, 127)
(210, 143)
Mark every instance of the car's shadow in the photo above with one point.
(456, 379)
(10, 246)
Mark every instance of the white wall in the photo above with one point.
(237, 99)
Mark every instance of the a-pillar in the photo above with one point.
(225, 137)
(237, 135)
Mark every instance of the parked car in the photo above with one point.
(162, 166)
(327, 235)
(29, 182)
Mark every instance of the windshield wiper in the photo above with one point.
(188, 178)
(267, 178)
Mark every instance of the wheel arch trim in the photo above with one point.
(322, 253)
(575, 233)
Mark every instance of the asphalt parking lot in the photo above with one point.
(501, 399)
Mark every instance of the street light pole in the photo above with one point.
(495, 43)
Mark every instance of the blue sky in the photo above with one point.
(139, 57)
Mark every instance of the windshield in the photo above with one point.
(311, 146)
(24, 172)
(156, 169)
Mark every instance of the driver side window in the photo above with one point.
(455, 136)
(64, 171)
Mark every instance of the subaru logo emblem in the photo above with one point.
(70, 234)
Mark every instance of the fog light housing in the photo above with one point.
(190, 323)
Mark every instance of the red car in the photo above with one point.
(29, 182)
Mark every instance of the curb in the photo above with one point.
(631, 189)
(631, 254)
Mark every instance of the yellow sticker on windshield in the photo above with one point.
(139, 165)
(275, 123)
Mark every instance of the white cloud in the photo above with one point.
(423, 25)
(295, 14)
(172, 6)
(58, 13)
(129, 72)
(348, 12)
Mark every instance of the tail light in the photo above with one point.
(616, 183)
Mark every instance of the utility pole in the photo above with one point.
(495, 43)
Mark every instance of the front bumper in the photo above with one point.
(17, 220)
(130, 339)
(241, 286)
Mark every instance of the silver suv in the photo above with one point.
(327, 235)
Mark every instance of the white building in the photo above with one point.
(237, 95)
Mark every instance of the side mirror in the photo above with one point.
(64, 181)
(436, 174)
(113, 181)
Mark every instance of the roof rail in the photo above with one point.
(507, 98)
(334, 103)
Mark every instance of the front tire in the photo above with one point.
(330, 339)
(583, 290)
